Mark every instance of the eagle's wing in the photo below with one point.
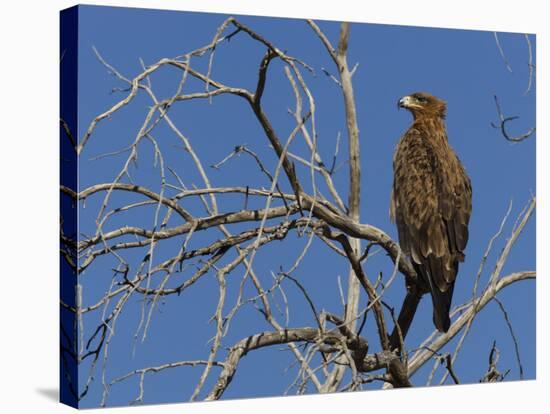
(431, 203)
(415, 199)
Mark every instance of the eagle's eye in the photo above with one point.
(421, 99)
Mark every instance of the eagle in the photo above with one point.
(431, 204)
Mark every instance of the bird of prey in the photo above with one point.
(431, 204)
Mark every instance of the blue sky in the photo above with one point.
(462, 67)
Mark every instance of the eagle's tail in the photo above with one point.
(442, 306)
(405, 318)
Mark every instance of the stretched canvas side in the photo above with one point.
(68, 364)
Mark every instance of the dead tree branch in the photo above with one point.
(502, 125)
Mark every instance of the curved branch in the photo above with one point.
(470, 312)
(502, 125)
(198, 224)
(253, 342)
(374, 299)
(139, 190)
(366, 232)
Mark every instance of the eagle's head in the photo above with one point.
(423, 104)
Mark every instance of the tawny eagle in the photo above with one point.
(431, 202)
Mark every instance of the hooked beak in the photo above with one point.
(403, 102)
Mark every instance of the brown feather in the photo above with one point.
(431, 202)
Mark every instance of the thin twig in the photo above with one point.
(502, 125)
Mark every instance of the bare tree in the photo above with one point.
(332, 354)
